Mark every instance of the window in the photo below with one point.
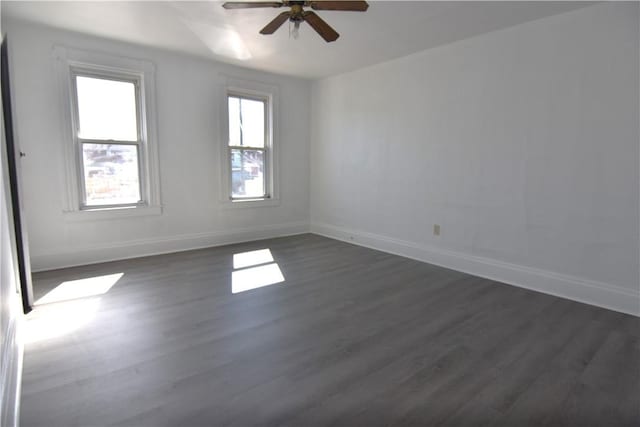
(111, 156)
(249, 157)
(248, 146)
(109, 140)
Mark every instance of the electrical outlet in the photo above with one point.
(436, 229)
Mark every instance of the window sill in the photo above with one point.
(112, 213)
(251, 203)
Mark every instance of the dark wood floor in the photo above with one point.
(352, 337)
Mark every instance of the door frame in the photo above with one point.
(14, 155)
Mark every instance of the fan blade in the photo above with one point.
(272, 26)
(250, 4)
(321, 27)
(353, 6)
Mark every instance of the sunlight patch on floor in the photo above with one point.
(254, 269)
(67, 308)
(251, 258)
(82, 288)
(59, 319)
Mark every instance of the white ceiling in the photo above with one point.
(389, 29)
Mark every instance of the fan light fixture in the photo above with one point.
(295, 33)
(297, 14)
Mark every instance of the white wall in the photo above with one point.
(523, 144)
(188, 101)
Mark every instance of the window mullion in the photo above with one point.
(109, 142)
(244, 147)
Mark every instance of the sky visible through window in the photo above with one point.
(106, 109)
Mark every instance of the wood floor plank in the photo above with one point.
(352, 336)
(192, 342)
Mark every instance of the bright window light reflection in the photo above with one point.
(254, 269)
(255, 277)
(56, 320)
(107, 109)
(82, 288)
(249, 259)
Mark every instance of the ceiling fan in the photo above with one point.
(297, 14)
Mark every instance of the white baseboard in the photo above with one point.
(11, 374)
(144, 247)
(570, 287)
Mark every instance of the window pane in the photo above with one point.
(252, 122)
(106, 109)
(111, 174)
(234, 121)
(246, 122)
(247, 173)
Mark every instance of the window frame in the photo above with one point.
(71, 63)
(268, 94)
(264, 149)
(79, 142)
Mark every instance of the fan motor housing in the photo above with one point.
(297, 12)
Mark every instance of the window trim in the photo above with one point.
(265, 149)
(72, 62)
(79, 142)
(262, 92)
